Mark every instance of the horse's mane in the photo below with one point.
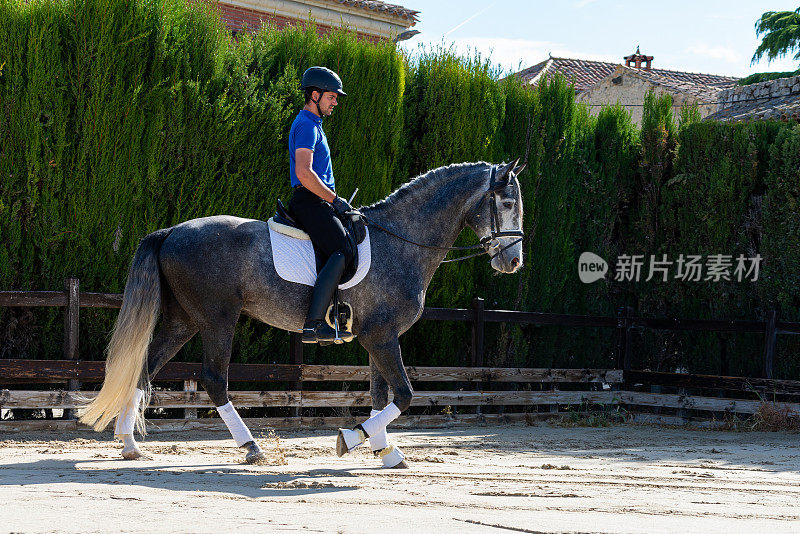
(425, 181)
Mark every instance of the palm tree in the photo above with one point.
(782, 34)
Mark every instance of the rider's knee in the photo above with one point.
(343, 256)
(338, 258)
(346, 254)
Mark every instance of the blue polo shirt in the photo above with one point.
(306, 132)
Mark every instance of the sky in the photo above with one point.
(708, 36)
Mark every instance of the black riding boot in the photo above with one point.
(316, 330)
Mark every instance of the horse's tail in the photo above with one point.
(127, 351)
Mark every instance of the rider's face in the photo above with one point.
(327, 102)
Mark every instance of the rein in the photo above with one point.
(484, 241)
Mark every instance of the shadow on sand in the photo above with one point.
(220, 478)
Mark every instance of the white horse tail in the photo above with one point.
(133, 331)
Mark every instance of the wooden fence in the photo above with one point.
(523, 393)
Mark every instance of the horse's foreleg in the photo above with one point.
(390, 454)
(214, 378)
(387, 370)
(379, 390)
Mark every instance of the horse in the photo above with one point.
(202, 274)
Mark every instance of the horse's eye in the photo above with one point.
(508, 204)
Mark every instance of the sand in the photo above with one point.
(625, 478)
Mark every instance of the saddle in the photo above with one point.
(353, 225)
(339, 312)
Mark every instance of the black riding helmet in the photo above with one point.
(324, 79)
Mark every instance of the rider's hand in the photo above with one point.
(341, 206)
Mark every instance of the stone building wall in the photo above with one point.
(371, 22)
(768, 89)
(238, 17)
(629, 89)
(770, 100)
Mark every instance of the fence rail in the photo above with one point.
(34, 371)
(604, 388)
(624, 322)
(532, 389)
(18, 399)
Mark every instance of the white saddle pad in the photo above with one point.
(294, 260)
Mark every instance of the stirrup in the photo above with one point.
(323, 334)
(318, 332)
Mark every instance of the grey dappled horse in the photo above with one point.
(201, 275)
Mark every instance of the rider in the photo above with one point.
(314, 202)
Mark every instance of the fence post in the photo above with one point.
(724, 365)
(770, 340)
(296, 352)
(190, 385)
(624, 337)
(624, 313)
(71, 324)
(478, 306)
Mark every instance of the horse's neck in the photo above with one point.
(432, 215)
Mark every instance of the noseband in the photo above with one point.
(486, 242)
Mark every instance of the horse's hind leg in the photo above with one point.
(387, 368)
(217, 345)
(176, 329)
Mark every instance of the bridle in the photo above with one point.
(487, 242)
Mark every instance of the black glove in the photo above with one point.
(341, 206)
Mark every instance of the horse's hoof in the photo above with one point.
(341, 446)
(392, 457)
(254, 453)
(347, 440)
(132, 454)
(255, 457)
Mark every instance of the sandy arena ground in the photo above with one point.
(476, 479)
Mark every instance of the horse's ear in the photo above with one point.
(503, 172)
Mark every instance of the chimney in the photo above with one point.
(636, 60)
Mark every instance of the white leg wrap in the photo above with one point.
(380, 440)
(241, 434)
(377, 423)
(126, 420)
(391, 456)
(128, 440)
(352, 438)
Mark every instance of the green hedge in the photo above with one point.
(118, 117)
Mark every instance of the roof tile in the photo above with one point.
(586, 73)
(382, 7)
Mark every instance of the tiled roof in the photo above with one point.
(381, 7)
(704, 86)
(586, 73)
(773, 99)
